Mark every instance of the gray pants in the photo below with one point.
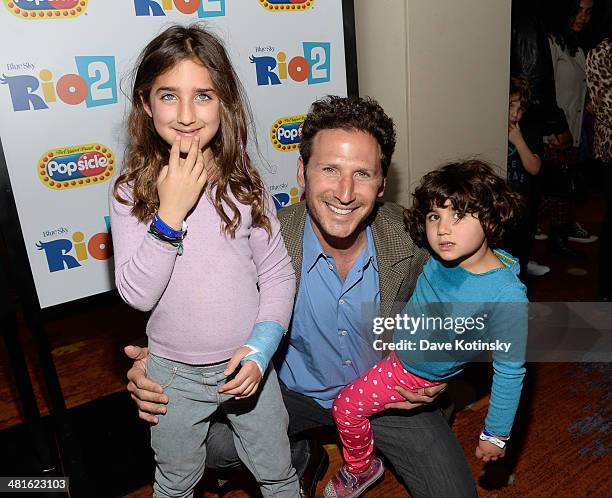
(259, 428)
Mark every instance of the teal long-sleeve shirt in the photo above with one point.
(497, 301)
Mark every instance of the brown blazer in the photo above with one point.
(400, 261)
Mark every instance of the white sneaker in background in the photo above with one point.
(577, 233)
(536, 270)
(540, 235)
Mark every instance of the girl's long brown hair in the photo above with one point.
(147, 152)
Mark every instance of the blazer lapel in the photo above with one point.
(293, 220)
(394, 253)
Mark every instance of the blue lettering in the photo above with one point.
(318, 56)
(57, 255)
(263, 68)
(210, 12)
(281, 200)
(100, 75)
(148, 7)
(21, 88)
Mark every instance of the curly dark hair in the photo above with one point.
(349, 113)
(472, 187)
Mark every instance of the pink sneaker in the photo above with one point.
(345, 484)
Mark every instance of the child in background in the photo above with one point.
(525, 149)
(221, 291)
(460, 213)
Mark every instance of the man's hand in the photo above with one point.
(488, 452)
(148, 395)
(247, 380)
(414, 400)
(562, 140)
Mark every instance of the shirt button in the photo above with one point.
(348, 362)
(341, 301)
(331, 267)
(343, 332)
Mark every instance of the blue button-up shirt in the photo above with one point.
(330, 342)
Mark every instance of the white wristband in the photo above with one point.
(493, 440)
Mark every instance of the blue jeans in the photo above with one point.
(259, 428)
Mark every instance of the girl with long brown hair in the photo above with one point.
(220, 290)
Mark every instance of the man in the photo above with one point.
(353, 259)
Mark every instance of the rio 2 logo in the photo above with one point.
(77, 166)
(286, 5)
(313, 66)
(58, 252)
(285, 133)
(95, 83)
(46, 9)
(157, 8)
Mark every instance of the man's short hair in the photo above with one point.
(351, 114)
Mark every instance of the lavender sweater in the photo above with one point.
(204, 303)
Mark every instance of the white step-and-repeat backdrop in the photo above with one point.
(64, 77)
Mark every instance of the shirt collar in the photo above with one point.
(312, 249)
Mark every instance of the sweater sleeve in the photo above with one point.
(276, 277)
(143, 264)
(510, 325)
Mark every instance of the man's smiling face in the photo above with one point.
(341, 182)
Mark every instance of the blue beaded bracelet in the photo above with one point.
(168, 231)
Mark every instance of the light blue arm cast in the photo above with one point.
(264, 340)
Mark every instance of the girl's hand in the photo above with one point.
(514, 134)
(247, 379)
(180, 183)
(488, 452)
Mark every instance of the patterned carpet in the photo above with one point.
(562, 442)
(564, 437)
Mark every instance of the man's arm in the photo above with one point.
(148, 395)
(424, 396)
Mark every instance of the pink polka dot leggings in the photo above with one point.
(364, 397)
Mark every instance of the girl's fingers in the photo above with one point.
(175, 152)
(239, 389)
(198, 167)
(192, 155)
(248, 392)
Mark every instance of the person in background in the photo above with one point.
(599, 82)
(569, 43)
(524, 161)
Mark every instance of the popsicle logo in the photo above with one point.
(284, 199)
(158, 8)
(286, 5)
(286, 133)
(46, 9)
(77, 166)
(313, 66)
(73, 252)
(94, 83)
